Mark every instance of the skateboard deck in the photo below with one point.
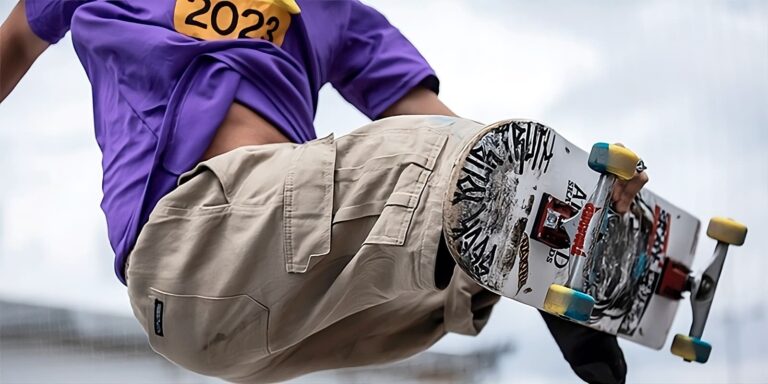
(493, 224)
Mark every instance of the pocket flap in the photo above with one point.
(308, 204)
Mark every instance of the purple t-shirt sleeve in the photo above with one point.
(50, 19)
(375, 65)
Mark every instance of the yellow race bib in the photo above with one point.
(234, 19)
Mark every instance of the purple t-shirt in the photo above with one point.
(164, 74)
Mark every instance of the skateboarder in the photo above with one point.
(253, 251)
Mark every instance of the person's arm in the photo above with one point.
(19, 48)
(419, 101)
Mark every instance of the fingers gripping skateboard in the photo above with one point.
(726, 232)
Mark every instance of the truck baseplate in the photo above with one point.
(547, 228)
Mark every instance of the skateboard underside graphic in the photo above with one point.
(509, 186)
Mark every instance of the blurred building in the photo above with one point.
(51, 345)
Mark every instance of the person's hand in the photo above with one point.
(625, 191)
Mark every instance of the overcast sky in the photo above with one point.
(684, 84)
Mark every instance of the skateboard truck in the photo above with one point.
(691, 347)
(548, 226)
(582, 229)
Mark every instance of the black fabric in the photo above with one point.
(444, 264)
(593, 355)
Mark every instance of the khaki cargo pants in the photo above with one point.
(272, 261)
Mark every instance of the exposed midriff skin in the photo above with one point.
(241, 127)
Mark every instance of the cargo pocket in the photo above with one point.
(308, 204)
(395, 218)
(208, 335)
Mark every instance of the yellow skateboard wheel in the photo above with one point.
(613, 159)
(567, 302)
(691, 348)
(727, 230)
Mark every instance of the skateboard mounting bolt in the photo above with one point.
(553, 218)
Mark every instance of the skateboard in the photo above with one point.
(528, 215)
